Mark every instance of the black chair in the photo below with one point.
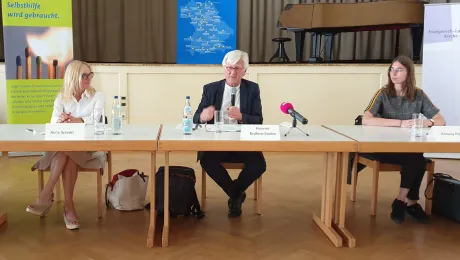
(281, 52)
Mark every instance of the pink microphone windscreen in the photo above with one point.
(285, 106)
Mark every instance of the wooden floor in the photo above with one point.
(285, 230)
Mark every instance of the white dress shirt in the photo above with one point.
(80, 109)
(227, 100)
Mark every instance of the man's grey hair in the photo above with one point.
(231, 58)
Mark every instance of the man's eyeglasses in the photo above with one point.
(87, 75)
(230, 68)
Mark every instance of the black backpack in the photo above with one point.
(183, 200)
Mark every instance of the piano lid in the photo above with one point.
(341, 15)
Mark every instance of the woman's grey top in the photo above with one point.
(385, 106)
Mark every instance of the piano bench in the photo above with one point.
(281, 52)
(281, 39)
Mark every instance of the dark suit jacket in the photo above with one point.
(250, 104)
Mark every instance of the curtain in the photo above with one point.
(140, 31)
(144, 31)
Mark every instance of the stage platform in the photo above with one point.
(329, 93)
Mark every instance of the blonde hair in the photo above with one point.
(72, 80)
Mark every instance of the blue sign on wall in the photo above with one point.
(206, 30)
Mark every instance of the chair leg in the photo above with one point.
(109, 166)
(354, 178)
(99, 194)
(259, 196)
(429, 192)
(256, 188)
(203, 190)
(375, 190)
(58, 190)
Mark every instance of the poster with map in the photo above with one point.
(206, 30)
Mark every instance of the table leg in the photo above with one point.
(153, 213)
(327, 205)
(429, 189)
(337, 190)
(350, 240)
(323, 194)
(2, 218)
(3, 214)
(165, 238)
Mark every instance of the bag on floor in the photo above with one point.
(183, 200)
(446, 197)
(127, 190)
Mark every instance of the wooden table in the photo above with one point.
(375, 139)
(335, 146)
(141, 138)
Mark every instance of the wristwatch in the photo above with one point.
(432, 121)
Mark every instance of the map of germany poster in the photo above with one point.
(206, 30)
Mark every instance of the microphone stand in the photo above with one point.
(294, 125)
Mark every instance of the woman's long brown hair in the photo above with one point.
(409, 85)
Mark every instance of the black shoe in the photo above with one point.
(234, 205)
(399, 211)
(418, 213)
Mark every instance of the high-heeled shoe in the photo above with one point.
(71, 224)
(40, 209)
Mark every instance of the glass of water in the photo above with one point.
(417, 125)
(99, 120)
(219, 120)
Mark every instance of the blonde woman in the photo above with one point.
(74, 104)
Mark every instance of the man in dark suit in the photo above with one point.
(245, 108)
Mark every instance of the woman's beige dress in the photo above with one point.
(82, 109)
(90, 160)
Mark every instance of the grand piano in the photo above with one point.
(328, 19)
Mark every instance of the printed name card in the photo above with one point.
(445, 133)
(68, 131)
(260, 132)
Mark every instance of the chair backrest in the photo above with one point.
(359, 120)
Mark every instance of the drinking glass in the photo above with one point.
(218, 120)
(417, 125)
(99, 120)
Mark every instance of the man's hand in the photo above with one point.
(234, 112)
(207, 114)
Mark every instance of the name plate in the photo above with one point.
(260, 132)
(445, 133)
(67, 131)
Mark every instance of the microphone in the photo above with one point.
(233, 96)
(288, 108)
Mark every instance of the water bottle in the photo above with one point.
(188, 117)
(123, 114)
(116, 116)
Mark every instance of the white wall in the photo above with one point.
(324, 94)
